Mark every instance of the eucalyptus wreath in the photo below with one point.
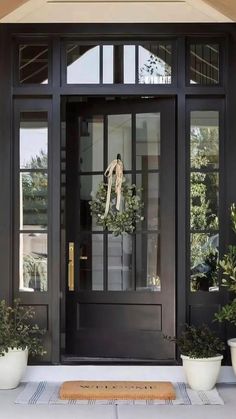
(117, 222)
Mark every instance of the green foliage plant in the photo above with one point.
(117, 222)
(198, 342)
(17, 329)
(228, 266)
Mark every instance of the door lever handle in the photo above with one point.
(71, 268)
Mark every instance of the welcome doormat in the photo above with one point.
(117, 390)
(48, 393)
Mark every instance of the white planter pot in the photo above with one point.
(202, 373)
(232, 344)
(12, 368)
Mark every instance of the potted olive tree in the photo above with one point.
(228, 265)
(200, 351)
(19, 336)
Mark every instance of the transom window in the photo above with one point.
(147, 63)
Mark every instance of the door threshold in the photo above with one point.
(60, 373)
(75, 360)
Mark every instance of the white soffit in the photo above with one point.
(116, 11)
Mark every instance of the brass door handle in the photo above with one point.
(71, 268)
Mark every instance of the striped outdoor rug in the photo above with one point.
(48, 393)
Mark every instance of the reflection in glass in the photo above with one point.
(33, 262)
(82, 64)
(33, 200)
(120, 263)
(91, 262)
(119, 138)
(108, 64)
(33, 64)
(88, 188)
(147, 141)
(204, 201)
(33, 140)
(204, 261)
(204, 64)
(155, 63)
(91, 143)
(129, 64)
(204, 139)
(150, 196)
(148, 275)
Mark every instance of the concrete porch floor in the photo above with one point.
(9, 410)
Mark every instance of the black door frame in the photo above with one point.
(166, 298)
(10, 33)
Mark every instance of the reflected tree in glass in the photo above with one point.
(35, 202)
(204, 262)
(35, 272)
(205, 141)
(39, 161)
(33, 216)
(204, 201)
(204, 187)
(155, 64)
(204, 196)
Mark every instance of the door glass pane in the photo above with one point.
(33, 262)
(155, 63)
(204, 201)
(33, 140)
(204, 260)
(148, 141)
(204, 64)
(88, 188)
(150, 196)
(108, 64)
(148, 275)
(33, 200)
(33, 64)
(120, 138)
(91, 143)
(120, 263)
(82, 64)
(129, 64)
(204, 139)
(91, 262)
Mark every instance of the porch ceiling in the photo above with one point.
(116, 11)
(227, 7)
(8, 6)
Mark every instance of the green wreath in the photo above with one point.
(117, 222)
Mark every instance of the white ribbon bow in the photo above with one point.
(116, 165)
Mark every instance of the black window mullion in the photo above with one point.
(133, 174)
(136, 64)
(36, 170)
(105, 236)
(204, 170)
(101, 64)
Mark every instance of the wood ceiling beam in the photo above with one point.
(227, 7)
(8, 6)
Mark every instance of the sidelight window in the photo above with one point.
(33, 201)
(204, 200)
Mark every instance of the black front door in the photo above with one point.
(123, 299)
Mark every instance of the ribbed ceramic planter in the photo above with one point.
(12, 368)
(232, 344)
(202, 373)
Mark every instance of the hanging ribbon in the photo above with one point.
(117, 166)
